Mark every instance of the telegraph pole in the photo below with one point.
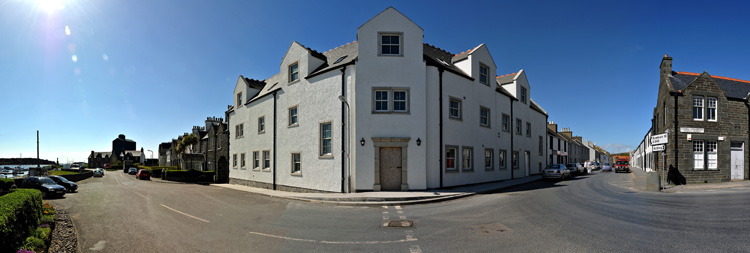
(38, 165)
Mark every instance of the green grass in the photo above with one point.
(60, 173)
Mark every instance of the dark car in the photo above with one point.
(143, 174)
(45, 185)
(133, 171)
(64, 182)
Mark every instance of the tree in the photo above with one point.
(185, 145)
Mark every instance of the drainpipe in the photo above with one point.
(343, 140)
(440, 148)
(676, 150)
(748, 134)
(512, 132)
(546, 150)
(275, 97)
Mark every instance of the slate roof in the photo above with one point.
(537, 107)
(438, 57)
(463, 55)
(734, 88)
(350, 51)
(508, 78)
(103, 154)
(132, 152)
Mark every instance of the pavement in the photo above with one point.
(385, 198)
(638, 177)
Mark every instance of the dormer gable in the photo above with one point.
(298, 62)
(478, 62)
(392, 36)
(245, 89)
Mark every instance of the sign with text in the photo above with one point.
(659, 139)
(658, 148)
(691, 130)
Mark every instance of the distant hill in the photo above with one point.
(23, 161)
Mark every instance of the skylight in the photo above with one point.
(340, 59)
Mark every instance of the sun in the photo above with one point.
(50, 5)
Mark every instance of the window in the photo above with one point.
(234, 160)
(466, 156)
(261, 124)
(541, 145)
(484, 116)
(515, 160)
(242, 160)
(293, 116)
(519, 130)
(484, 74)
(528, 129)
(239, 99)
(501, 159)
(455, 108)
(266, 159)
(296, 163)
(697, 108)
(399, 101)
(711, 109)
(523, 95)
(664, 115)
(325, 139)
(450, 158)
(256, 160)
(488, 159)
(390, 44)
(698, 154)
(239, 130)
(293, 72)
(506, 123)
(711, 154)
(381, 100)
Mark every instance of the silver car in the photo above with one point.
(556, 171)
(575, 169)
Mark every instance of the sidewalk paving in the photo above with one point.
(639, 181)
(388, 197)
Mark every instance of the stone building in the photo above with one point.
(121, 148)
(705, 119)
(211, 153)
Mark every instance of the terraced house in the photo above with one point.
(385, 112)
(706, 120)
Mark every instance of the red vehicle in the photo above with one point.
(107, 166)
(143, 174)
(622, 165)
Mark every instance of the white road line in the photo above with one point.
(415, 249)
(140, 195)
(386, 207)
(175, 210)
(400, 212)
(403, 217)
(333, 242)
(398, 207)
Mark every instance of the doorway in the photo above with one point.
(390, 168)
(738, 160)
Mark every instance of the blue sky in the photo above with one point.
(153, 69)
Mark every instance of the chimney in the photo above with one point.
(567, 132)
(665, 69)
(552, 126)
(121, 137)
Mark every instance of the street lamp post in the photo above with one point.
(348, 146)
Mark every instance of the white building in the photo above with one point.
(420, 118)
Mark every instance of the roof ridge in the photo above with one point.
(719, 77)
(350, 43)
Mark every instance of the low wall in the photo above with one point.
(80, 176)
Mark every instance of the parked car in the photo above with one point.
(598, 166)
(575, 168)
(622, 165)
(556, 171)
(70, 186)
(143, 174)
(107, 166)
(606, 168)
(132, 171)
(99, 172)
(45, 185)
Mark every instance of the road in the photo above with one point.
(591, 213)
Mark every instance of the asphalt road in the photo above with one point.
(592, 213)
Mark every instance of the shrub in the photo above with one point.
(191, 175)
(20, 212)
(6, 184)
(34, 243)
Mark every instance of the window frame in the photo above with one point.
(290, 73)
(491, 158)
(242, 160)
(262, 124)
(458, 110)
(515, 160)
(239, 99)
(390, 101)
(293, 118)
(505, 121)
(502, 156)
(455, 154)
(405, 100)
(266, 160)
(399, 45)
(524, 95)
(296, 164)
(700, 152)
(376, 100)
(486, 118)
(486, 75)
(234, 161)
(322, 139)
(519, 126)
(702, 107)
(528, 129)
(256, 160)
(709, 108)
(708, 147)
(541, 145)
(467, 160)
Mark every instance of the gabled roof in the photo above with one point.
(314, 53)
(252, 83)
(102, 154)
(465, 54)
(507, 78)
(349, 52)
(537, 107)
(389, 7)
(441, 58)
(733, 88)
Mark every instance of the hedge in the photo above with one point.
(6, 184)
(190, 175)
(20, 212)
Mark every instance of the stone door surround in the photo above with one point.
(385, 142)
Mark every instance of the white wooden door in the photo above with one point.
(738, 160)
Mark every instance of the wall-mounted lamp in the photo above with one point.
(419, 142)
(362, 142)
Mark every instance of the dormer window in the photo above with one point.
(293, 72)
(484, 74)
(239, 99)
(523, 95)
(390, 44)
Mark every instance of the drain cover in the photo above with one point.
(400, 223)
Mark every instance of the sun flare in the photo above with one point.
(50, 5)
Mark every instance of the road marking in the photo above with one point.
(184, 213)
(400, 212)
(144, 196)
(415, 249)
(398, 207)
(118, 181)
(333, 242)
(98, 246)
(403, 217)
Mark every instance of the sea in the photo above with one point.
(13, 168)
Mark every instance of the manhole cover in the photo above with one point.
(400, 223)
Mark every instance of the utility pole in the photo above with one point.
(38, 165)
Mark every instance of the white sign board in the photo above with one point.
(659, 139)
(658, 148)
(691, 130)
